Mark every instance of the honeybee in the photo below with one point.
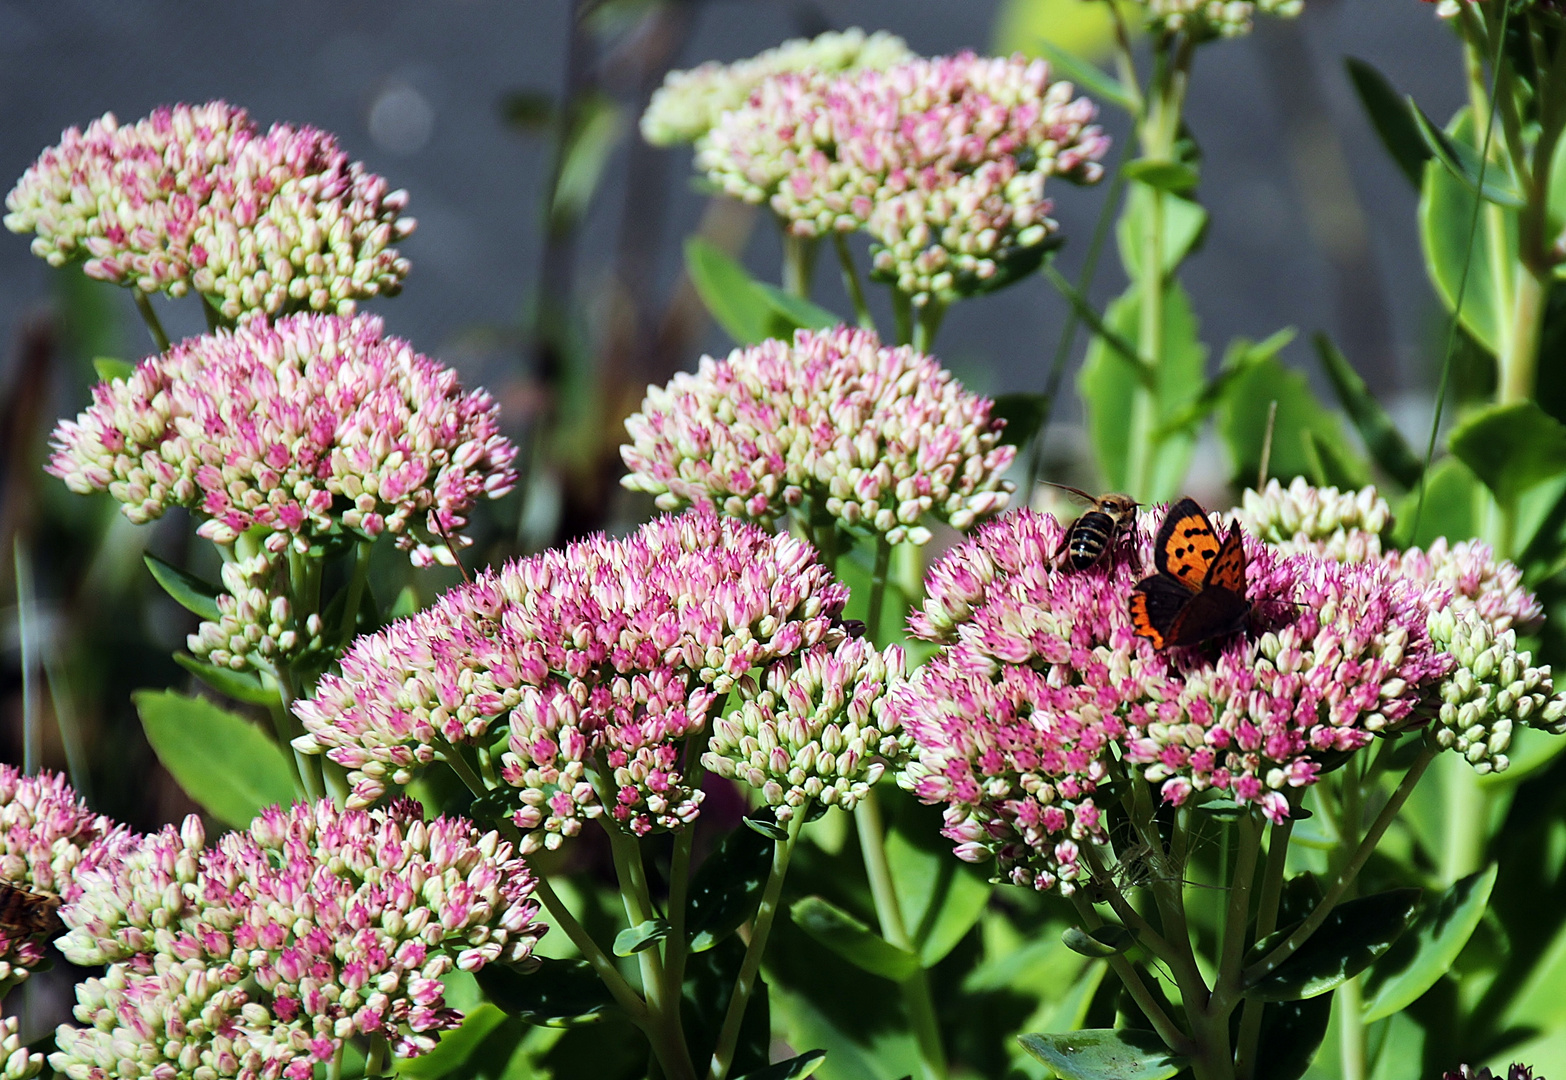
(26, 914)
(1089, 537)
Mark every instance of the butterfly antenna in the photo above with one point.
(1266, 454)
(452, 548)
(1468, 258)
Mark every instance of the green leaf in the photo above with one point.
(766, 826)
(1349, 940)
(1241, 354)
(1172, 176)
(1185, 224)
(708, 985)
(1107, 940)
(1104, 1054)
(1108, 383)
(1382, 438)
(1242, 421)
(1391, 117)
(1333, 464)
(1291, 1033)
(110, 368)
(188, 591)
(597, 123)
(941, 897)
(1445, 217)
(407, 603)
(744, 311)
(727, 888)
(1024, 415)
(1057, 46)
(1510, 448)
(243, 686)
(793, 1069)
(222, 761)
(1463, 162)
(456, 1046)
(1448, 510)
(635, 939)
(558, 993)
(852, 939)
(1421, 957)
(795, 311)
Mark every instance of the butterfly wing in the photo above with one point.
(1186, 545)
(1156, 605)
(1221, 606)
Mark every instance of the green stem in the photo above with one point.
(883, 559)
(1349, 1008)
(356, 583)
(761, 929)
(799, 260)
(214, 320)
(856, 292)
(559, 915)
(150, 317)
(334, 1068)
(902, 316)
(307, 767)
(1167, 1029)
(927, 325)
(889, 912)
(1346, 876)
(1266, 922)
(459, 765)
(664, 1030)
(285, 737)
(1237, 916)
(1466, 806)
(375, 1062)
(679, 888)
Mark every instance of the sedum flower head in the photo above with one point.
(259, 955)
(943, 162)
(199, 197)
(1205, 19)
(816, 730)
(1041, 693)
(593, 663)
(306, 428)
(1478, 581)
(1348, 526)
(877, 437)
(48, 837)
(689, 103)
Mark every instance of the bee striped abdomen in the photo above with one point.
(1090, 535)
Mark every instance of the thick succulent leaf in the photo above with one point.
(222, 761)
(189, 592)
(1392, 118)
(1382, 438)
(1430, 948)
(1510, 448)
(1104, 1054)
(558, 993)
(727, 888)
(1291, 1034)
(1107, 940)
(796, 1068)
(852, 939)
(1352, 937)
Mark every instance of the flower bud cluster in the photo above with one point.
(597, 660)
(1490, 587)
(255, 625)
(260, 955)
(816, 729)
(199, 197)
(943, 162)
(306, 428)
(1041, 692)
(48, 837)
(1348, 526)
(877, 437)
(689, 103)
(1205, 19)
(16, 1061)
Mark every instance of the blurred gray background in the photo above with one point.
(1312, 225)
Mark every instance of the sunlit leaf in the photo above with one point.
(222, 761)
(1175, 177)
(1510, 448)
(1108, 940)
(456, 1046)
(188, 591)
(852, 939)
(1105, 1054)
(1430, 948)
(110, 368)
(243, 686)
(634, 939)
(796, 1068)
(1185, 225)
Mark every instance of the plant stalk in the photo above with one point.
(856, 292)
(883, 560)
(160, 337)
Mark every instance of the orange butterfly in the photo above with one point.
(1199, 590)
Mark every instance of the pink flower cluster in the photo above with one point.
(601, 657)
(48, 837)
(1041, 692)
(305, 428)
(943, 162)
(260, 955)
(877, 437)
(199, 197)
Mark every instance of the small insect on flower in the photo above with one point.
(1198, 592)
(26, 914)
(1092, 534)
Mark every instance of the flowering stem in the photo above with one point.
(664, 1029)
(459, 765)
(375, 1062)
(856, 292)
(361, 573)
(622, 992)
(1237, 916)
(281, 726)
(334, 1068)
(902, 314)
(883, 559)
(916, 988)
(927, 325)
(1350, 870)
(214, 320)
(679, 887)
(307, 767)
(799, 259)
(761, 928)
(1168, 1031)
(150, 317)
(1266, 923)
